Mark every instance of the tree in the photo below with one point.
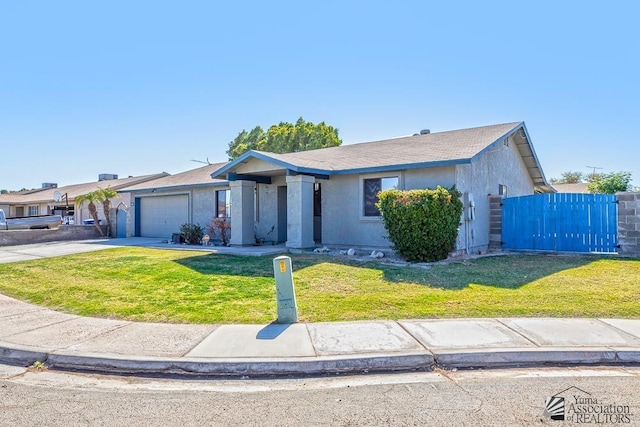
(104, 196)
(568, 178)
(91, 198)
(611, 183)
(285, 138)
(245, 141)
(3, 191)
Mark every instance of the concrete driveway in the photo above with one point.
(53, 249)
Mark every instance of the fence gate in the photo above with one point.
(561, 222)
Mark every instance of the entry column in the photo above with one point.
(242, 214)
(300, 211)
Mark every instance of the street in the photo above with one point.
(456, 398)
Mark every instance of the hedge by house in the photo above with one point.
(422, 224)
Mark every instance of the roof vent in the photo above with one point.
(49, 185)
(425, 132)
(107, 176)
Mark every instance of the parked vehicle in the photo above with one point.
(29, 222)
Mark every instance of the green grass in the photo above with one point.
(180, 286)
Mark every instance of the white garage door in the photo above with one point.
(162, 216)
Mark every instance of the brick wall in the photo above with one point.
(64, 233)
(629, 224)
(495, 222)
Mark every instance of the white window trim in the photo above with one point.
(381, 175)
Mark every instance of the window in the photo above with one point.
(370, 192)
(502, 190)
(223, 204)
(33, 211)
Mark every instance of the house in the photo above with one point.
(327, 196)
(51, 199)
(159, 207)
(578, 187)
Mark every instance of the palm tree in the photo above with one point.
(104, 196)
(91, 198)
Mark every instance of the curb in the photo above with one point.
(503, 358)
(238, 367)
(446, 360)
(21, 355)
(124, 364)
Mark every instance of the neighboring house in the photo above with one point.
(327, 196)
(52, 199)
(578, 187)
(158, 208)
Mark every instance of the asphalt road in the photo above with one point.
(461, 398)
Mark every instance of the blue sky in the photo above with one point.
(139, 87)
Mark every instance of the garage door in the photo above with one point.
(163, 215)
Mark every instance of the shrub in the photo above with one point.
(220, 229)
(421, 224)
(192, 233)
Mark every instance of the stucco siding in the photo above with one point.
(419, 179)
(268, 209)
(342, 219)
(499, 165)
(341, 215)
(203, 205)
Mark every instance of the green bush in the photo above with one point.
(422, 224)
(192, 233)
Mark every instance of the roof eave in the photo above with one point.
(535, 170)
(222, 172)
(217, 183)
(403, 166)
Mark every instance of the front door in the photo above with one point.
(317, 213)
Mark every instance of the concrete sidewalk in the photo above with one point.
(30, 333)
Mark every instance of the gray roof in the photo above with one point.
(417, 151)
(441, 147)
(75, 190)
(578, 187)
(198, 177)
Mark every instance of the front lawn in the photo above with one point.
(182, 286)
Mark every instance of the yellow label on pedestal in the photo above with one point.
(283, 267)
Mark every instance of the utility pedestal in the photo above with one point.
(285, 294)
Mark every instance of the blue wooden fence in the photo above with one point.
(561, 222)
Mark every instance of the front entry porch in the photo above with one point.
(284, 207)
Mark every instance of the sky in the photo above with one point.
(139, 87)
